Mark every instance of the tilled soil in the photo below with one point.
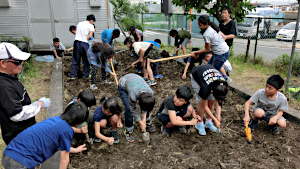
(230, 150)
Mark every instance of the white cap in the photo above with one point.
(10, 51)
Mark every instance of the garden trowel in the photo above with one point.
(146, 137)
(248, 133)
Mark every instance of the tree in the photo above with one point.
(126, 14)
(238, 8)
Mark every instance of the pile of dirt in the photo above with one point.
(231, 150)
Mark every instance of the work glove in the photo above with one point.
(46, 102)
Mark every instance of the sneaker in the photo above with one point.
(114, 134)
(106, 82)
(228, 80)
(165, 130)
(96, 140)
(146, 79)
(276, 130)
(150, 127)
(129, 135)
(201, 128)
(132, 55)
(252, 124)
(71, 78)
(152, 82)
(182, 130)
(139, 71)
(93, 87)
(115, 62)
(158, 76)
(211, 126)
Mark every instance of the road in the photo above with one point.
(269, 49)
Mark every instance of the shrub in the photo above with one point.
(282, 64)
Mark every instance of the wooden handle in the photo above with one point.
(169, 58)
(68, 50)
(113, 69)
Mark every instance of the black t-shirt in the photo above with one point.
(13, 96)
(228, 29)
(168, 104)
(204, 75)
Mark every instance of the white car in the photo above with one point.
(287, 32)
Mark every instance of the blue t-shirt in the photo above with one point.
(39, 142)
(154, 43)
(99, 115)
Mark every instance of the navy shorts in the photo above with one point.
(165, 119)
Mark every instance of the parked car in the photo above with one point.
(287, 32)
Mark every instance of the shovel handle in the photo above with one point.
(113, 69)
(169, 58)
(246, 125)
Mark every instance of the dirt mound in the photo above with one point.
(231, 150)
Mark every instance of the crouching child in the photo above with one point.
(175, 109)
(39, 142)
(269, 105)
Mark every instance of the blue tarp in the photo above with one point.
(45, 58)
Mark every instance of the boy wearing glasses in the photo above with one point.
(16, 110)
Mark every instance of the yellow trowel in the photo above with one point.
(248, 133)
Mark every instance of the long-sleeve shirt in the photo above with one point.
(134, 85)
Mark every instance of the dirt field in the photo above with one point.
(230, 150)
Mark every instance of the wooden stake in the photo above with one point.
(113, 69)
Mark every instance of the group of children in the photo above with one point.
(210, 87)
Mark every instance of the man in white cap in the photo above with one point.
(16, 110)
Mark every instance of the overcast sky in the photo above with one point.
(273, 1)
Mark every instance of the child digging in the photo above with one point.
(134, 89)
(39, 142)
(108, 114)
(209, 85)
(175, 109)
(144, 49)
(269, 105)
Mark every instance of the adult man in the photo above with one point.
(84, 32)
(16, 110)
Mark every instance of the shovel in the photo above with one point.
(146, 137)
(88, 139)
(113, 69)
(169, 58)
(248, 133)
(124, 70)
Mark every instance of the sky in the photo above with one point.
(273, 1)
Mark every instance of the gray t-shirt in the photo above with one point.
(261, 100)
(134, 85)
(218, 45)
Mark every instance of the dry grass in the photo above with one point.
(36, 87)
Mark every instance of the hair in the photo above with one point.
(116, 33)
(275, 81)
(146, 101)
(204, 19)
(195, 49)
(107, 52)
(72, 27)
(111, 104)
(75, 113)
(227, 9)
(55, 40)
(157, 41)
(184, 92)
(220, 90)
(87, 97)
(128, 39)
(173, 32)
(91, 17)
(132, 28)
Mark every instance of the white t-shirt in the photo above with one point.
(82, 31)
(218, 45)
(139, 45)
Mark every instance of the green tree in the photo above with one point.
(238, 8)
(126, 14)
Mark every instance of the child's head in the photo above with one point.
(116, 33)
(132, 29)
(274, 84)
(72, 29)
(183, 95)
(204, 22)
(87, 97)
(110, 106)
(75, 113)
(157, 41)
(128, 42)
(146, 101)
(220, 90)
(91, 19)
(173, 33)
(56, 42)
